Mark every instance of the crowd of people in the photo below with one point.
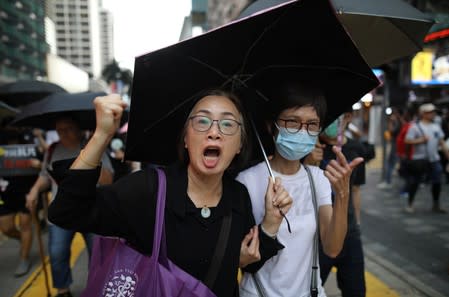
(259, 244)
(420, 153)
(28, 192)
(288, 229)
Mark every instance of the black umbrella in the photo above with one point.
(7, 111)
(42, 114)
(242, 56)
(24, 92)
(383, 30)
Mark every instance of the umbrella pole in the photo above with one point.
(253, 125)
(41, 249)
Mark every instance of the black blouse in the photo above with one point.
(127, 209)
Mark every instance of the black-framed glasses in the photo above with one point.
(292, 126)
(202, 123)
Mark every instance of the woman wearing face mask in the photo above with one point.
(297, 115)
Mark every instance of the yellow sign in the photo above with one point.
(422, 67)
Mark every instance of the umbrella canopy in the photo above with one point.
(42, 114)
(24, 92)
(240, 56)
(7, 111)
(383, 30)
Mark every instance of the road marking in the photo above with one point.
(376, 288)
(35, 283)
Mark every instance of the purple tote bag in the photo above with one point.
(117, 270)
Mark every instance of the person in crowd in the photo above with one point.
(350, 261)
(116, 153)
(404, 152)
(295, 122)
(200, 193)
(426, 137)
(395, 122)
(59, 239)
(445, 127)
(13, 190)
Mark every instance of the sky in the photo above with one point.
(142, 26)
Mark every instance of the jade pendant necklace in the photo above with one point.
(205, 212)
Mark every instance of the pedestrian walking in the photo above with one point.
(60, 239)
(395, 122)
(426, 137)
(294, 124)
(13, 190)
(200, 194)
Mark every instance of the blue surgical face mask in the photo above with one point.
(294, 146)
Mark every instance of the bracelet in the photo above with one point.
(90, 164)
(268, 233)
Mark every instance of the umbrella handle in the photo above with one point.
(253, 125)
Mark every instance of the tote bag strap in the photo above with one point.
(423, 134)
(220, 248)
(160, 212)
(314, 279)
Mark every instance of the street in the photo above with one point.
(406, 254)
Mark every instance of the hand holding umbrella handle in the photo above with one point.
(277, 200)
(253, 125)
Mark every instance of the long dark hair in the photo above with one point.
(240, 159)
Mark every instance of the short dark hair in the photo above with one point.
(67, 116)
(242, 158)
(296, 95)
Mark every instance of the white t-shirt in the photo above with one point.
(289, 272)
(428, 150)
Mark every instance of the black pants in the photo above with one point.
(350, 266)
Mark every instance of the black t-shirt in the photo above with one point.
(351, 149)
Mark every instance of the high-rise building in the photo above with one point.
(223, 12)
(22, 40)
(77, 24)
(196, 23)
(106, 37)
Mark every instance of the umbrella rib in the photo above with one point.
(248, 52)
(227, 77)
(149, 127)
(417, 44)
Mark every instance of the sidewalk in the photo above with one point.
(382, 279)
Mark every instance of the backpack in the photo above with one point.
(403, 150)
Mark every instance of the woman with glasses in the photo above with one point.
(200, 194)
(297, 114)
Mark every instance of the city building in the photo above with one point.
(106, 37)
(22, 33)
(77, 24)
(223, 12)
(195, 23)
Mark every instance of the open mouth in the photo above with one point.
(212, 152)
(211, 156)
